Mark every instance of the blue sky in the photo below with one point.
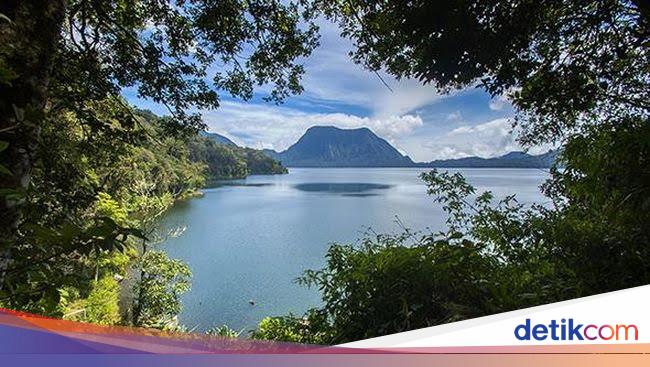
(416, 119)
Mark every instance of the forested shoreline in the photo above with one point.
(226, 162)
(100, 186)
(84, 176)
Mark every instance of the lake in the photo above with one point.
(249, 239)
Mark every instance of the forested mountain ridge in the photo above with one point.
(226, 160)
(328, 146)
(223, 159)
(510, 160)
(229, 161)
(218, 138)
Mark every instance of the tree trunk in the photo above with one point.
(137, 308)
(28, 42)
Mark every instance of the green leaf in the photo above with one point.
(5, 171)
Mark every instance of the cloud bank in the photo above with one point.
(491, 139)
(264, 126)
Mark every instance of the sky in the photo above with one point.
(417, 120)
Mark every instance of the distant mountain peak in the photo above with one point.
(331, 127)
(516, 159)
(330, 146)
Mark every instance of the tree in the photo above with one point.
(564, 64)
(229, 162)
(396, 283)
(92, 201)
(158, 291)
(577, 73)
(62, 54)
(29, 32)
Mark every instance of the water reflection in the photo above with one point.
(360, 195)
(345, 188)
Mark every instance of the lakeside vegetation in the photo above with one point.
(226, 162)
(90, 219)
(84, 177)
(577, 73)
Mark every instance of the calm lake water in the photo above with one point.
(249, 239)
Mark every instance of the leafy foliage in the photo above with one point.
(310, 329)
(577, 73)
(564, 64)
(497, 256)
(167, 51)
(89, 200)
(101, 305)
(384, 285)
(162, 282)
(228, 162)
(224, 331)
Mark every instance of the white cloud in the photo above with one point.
(276, 127)
(489, 139)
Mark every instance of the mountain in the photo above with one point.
(225, 160)
(328, 146)
(510, 160)
(217, 138)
